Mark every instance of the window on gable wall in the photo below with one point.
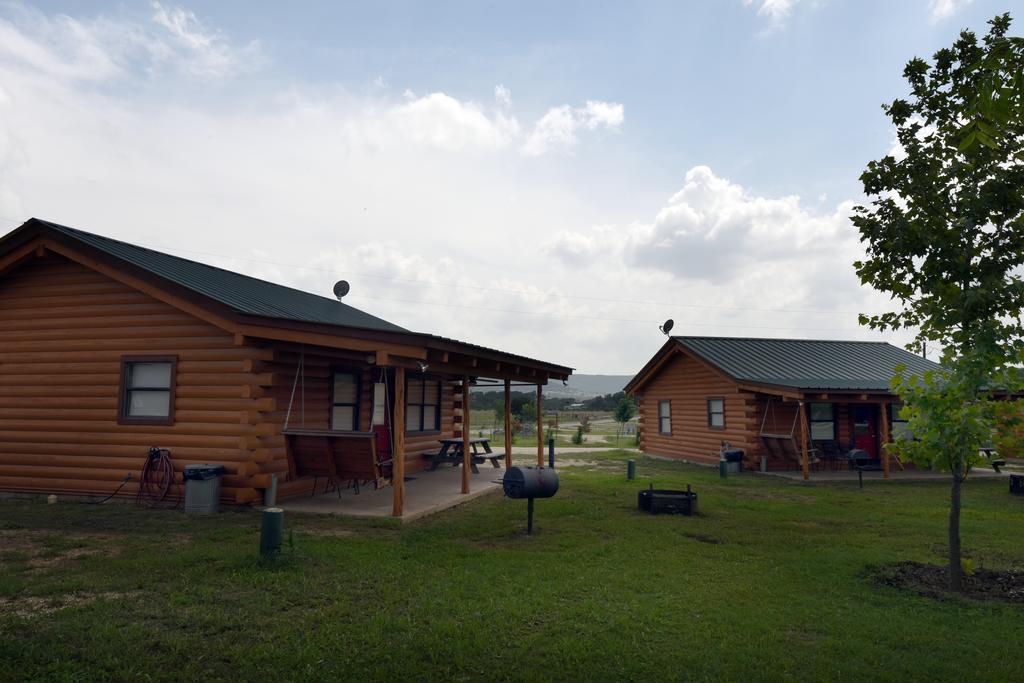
(716, 413)
(147, 390)
(664, 417)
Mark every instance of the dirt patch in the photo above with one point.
(32, 606)
(931, 581)
(35, 549)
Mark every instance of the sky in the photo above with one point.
(551, 179)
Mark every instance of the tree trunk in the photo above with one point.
(955, 567)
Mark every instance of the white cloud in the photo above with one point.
(557, 129)
(777, 12)
(502, 95)
(101, 49)
(199, 50)
(944, 9)
(740, 255)
(439, 120)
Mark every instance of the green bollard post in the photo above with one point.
(271, 533)
(723, 469)
(631, 469)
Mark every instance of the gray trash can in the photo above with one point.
(202, 488)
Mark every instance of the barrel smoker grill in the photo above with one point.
(530, 483)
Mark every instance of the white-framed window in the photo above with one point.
(664, 417)
(823, 421)
(345, 401)
(716, 413)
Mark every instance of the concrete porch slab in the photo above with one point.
(426, 492)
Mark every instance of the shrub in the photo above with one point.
(577, 438)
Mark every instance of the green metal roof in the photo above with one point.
(241, 293)
(805, 363)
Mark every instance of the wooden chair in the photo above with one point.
(830, 451)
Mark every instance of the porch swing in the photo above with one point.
(782, 445)
(335, 455)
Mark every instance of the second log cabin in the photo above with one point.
(786, 403)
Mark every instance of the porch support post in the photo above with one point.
(805, 460)
(540, 425)
(508, 424)
(884, 407)
(398, 445)
(467, 454)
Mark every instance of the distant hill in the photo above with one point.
(588, 386)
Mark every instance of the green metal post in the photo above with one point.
(271, 532)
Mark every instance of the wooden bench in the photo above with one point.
(784, 446)
(338, 456)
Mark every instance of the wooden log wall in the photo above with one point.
(63, 331)
(688, 384)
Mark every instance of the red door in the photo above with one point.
(865, 429)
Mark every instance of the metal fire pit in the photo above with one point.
(667, 501)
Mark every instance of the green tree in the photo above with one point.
(944, 237)
(625, 409)
(528, 412)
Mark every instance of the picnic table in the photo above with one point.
(451, 451)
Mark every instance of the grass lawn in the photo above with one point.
(769, 583)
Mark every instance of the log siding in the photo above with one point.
(64, 331)
(688, 385)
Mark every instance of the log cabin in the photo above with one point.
(785, 403)
(108, 349)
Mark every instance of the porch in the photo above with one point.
(390, 417)
(801, 434)
(425, 492)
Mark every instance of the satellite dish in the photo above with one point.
(340, 289)
(666, 327)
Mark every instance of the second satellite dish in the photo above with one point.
(340, 289)
(666, 327)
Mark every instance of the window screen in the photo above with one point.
(823, 421)
(422, 405)
(148, 390)
(716, 413)
(345, 402)
(664, 417)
